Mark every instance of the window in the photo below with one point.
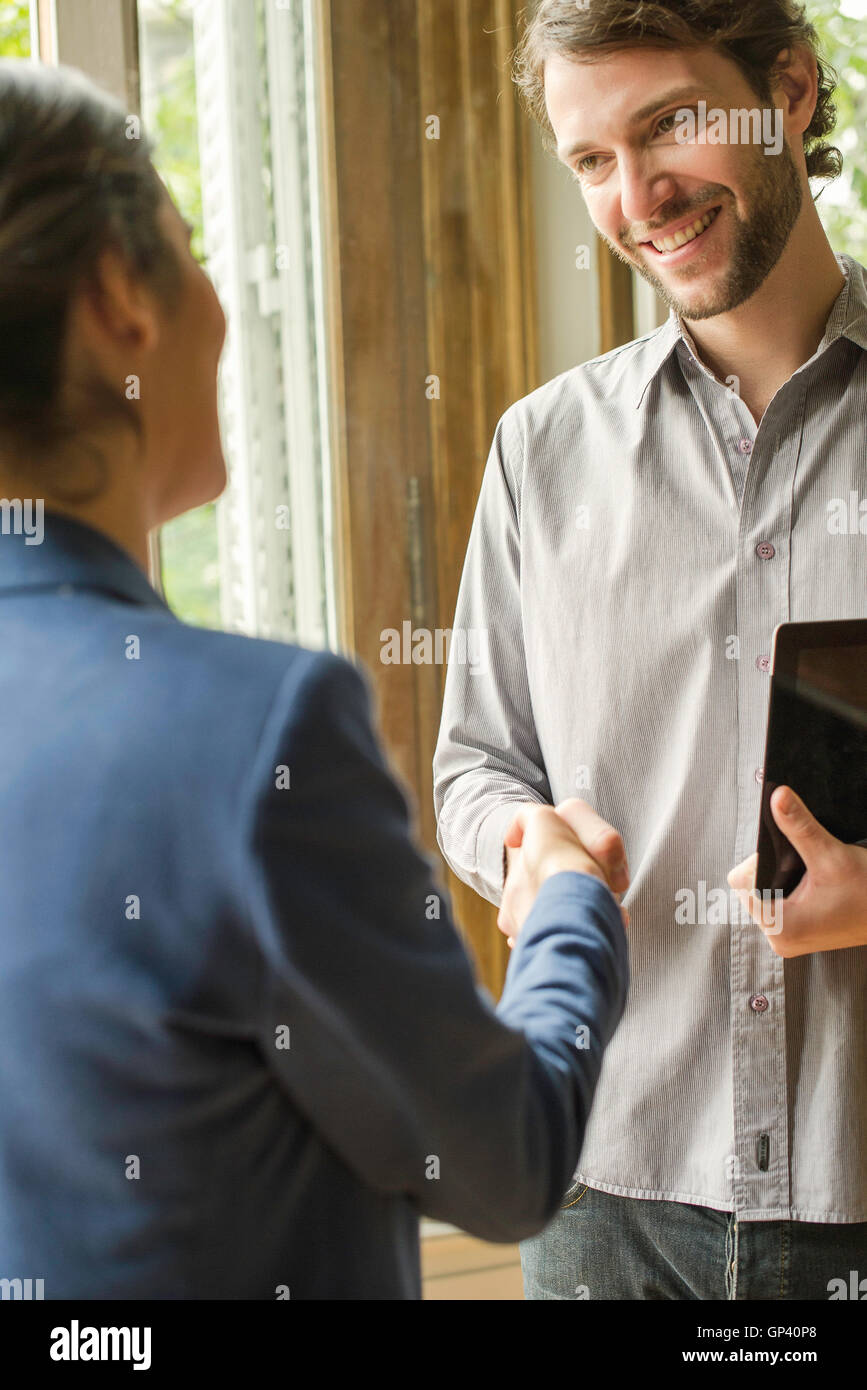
(15, 36)
(228, 99)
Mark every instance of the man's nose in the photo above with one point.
(645, 187)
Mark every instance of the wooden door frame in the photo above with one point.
(429, 248)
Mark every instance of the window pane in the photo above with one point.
(14, 29)
(190, 563)
(228, 100)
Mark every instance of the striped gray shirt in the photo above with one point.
(636, 541)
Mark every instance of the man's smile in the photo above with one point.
(681, 233)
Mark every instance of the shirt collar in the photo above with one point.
(660, 346)
(848, 318)
(73, 555)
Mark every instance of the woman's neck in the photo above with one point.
(120, 511)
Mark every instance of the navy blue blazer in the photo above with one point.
(241, 1048)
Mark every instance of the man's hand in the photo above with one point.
(542, 842)
(828, 909)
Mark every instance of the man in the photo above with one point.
(644, 523)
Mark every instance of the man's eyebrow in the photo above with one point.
(643, 114)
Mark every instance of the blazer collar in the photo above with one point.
(69, 555)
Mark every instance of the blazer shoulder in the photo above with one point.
(206, 684)
(258, 666)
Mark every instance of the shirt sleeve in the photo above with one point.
(370, 1017)
(487, 757)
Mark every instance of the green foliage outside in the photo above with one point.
(843, 204)
(14, 29)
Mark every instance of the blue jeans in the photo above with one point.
(600, 1246)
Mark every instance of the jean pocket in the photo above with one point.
(573, 1194)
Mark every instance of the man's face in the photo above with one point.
(641, 183)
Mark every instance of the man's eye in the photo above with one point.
(587, 164)
(666, 124)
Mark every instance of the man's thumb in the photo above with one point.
(514, 836)
(798, 825)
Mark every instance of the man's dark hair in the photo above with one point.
(752, 33)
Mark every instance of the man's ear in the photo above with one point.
(795, 82)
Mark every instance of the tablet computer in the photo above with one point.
(816, 739)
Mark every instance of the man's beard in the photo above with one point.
(774, 199)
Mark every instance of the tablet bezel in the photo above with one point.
(790, 639)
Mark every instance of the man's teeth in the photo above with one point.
(671, 243)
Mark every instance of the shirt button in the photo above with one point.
(759, 1003)
(763, 663)
(746, 446)
(765, 551)
(760, 775)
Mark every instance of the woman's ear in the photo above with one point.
(118, 305)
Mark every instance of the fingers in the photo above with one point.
(542, 841)
(599, 838)
(744, 876)
(514, 836)
(766, 911)
(799, 826)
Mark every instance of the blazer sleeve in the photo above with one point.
(370, 1017)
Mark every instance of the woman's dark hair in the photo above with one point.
(752, 33)
(75, 178)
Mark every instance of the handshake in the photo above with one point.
(542, 841)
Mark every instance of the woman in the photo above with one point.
(241, 1045)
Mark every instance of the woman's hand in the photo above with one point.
(828, 909)
(572, 838)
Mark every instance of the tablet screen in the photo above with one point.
(817, 742)
(831, 697)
